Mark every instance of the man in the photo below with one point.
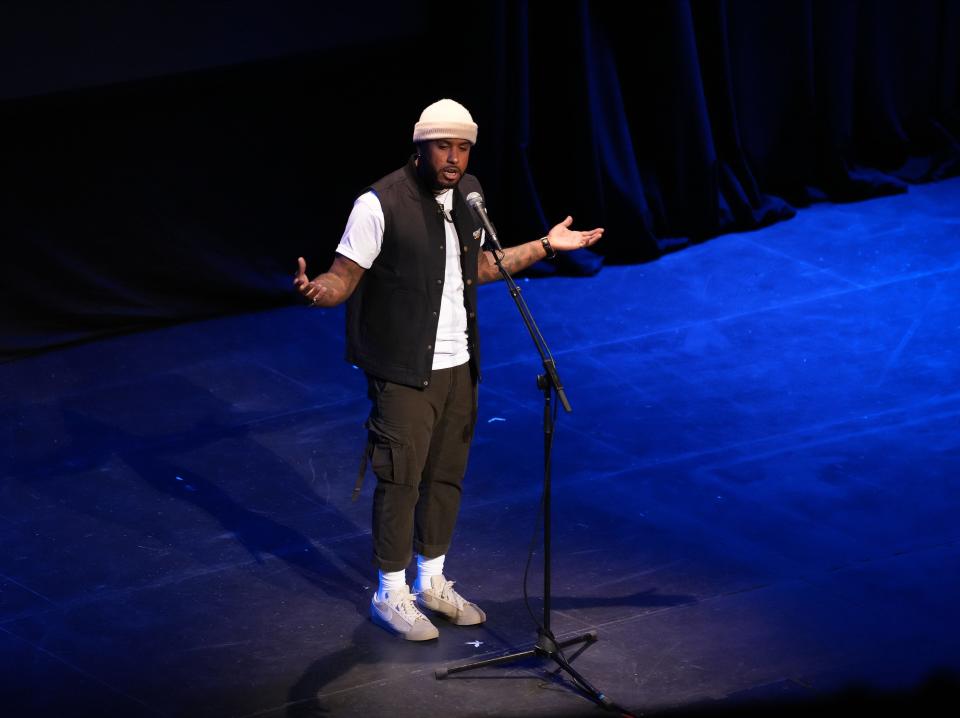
(409, 263)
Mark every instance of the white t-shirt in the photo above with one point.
(361, 242)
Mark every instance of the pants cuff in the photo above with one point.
(428, 550)
(387, 565)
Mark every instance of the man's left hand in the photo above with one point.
(564, 239)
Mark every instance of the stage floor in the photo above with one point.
(755, 497)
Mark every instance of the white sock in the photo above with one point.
(390, 581)
(426, 568)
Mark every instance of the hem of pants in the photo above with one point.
(386, 565)
(430, 550)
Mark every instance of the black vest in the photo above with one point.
(393, 313)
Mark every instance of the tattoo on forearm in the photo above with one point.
(518, 258)
(515, 259)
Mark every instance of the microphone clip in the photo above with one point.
(443, 212)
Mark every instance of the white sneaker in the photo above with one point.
(398, 613)
(441, 597)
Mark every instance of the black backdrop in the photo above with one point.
(138, 197)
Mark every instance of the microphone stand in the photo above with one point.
(547, 646)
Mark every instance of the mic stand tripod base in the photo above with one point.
(546, 647)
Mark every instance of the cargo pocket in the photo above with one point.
(390, 462)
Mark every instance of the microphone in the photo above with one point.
(476, 204)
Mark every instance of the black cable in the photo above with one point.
(530, 552)
(533, 539)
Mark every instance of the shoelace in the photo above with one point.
(408, 609)
(448, 594)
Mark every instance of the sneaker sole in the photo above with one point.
(407, 636)
(452, 617)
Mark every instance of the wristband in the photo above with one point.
(551, 252)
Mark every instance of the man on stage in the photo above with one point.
(408, 264)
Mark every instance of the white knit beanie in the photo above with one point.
(445, 119)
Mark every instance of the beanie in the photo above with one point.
(445, 119)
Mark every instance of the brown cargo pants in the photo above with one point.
(419, 442)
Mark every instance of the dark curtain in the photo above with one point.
(667, 122)
(672, 122)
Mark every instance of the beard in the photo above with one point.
(441, 178)
(447, 177)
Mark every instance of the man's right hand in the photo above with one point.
(310, 290)
(332, 287)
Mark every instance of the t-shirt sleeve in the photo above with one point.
(363, 235)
